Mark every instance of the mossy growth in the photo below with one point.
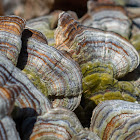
(108, 90)
(135, 40)
(106, 96)
(97, 82)
(35, 79)
(128, 97)
(125, 86)
(112, 95)
(128, 90)
(96, 67)
(49, 33)
(100, 85)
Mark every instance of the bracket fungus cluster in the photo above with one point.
(122, 120)
(103, 56)
(49, 92)
(107, 17)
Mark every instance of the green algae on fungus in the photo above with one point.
(97, 76)
(99, 84)
(110, 95)
(49, 34)
(97, 81)
(36, 80)
(130, 88)
(100, 87)
(50, 37)
(135, 40)
(125, 86)
(96, 67)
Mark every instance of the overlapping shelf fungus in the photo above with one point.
(107, 17)
(102, 56)
(46, 25)
(116, 119)
(11, 28)
(41, 85)
(10, 44)
(87, 44)
(30, 98)
(8, 95)
(60, 124)
(44, 65)
(54, 74)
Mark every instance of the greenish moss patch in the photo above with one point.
(35, 79)
(97, 82)
(49, 33)
(135, 40)
(96, 67)
(125, 86)
(100, 85)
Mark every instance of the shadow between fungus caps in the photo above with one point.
(19, 117)
(25, 35)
